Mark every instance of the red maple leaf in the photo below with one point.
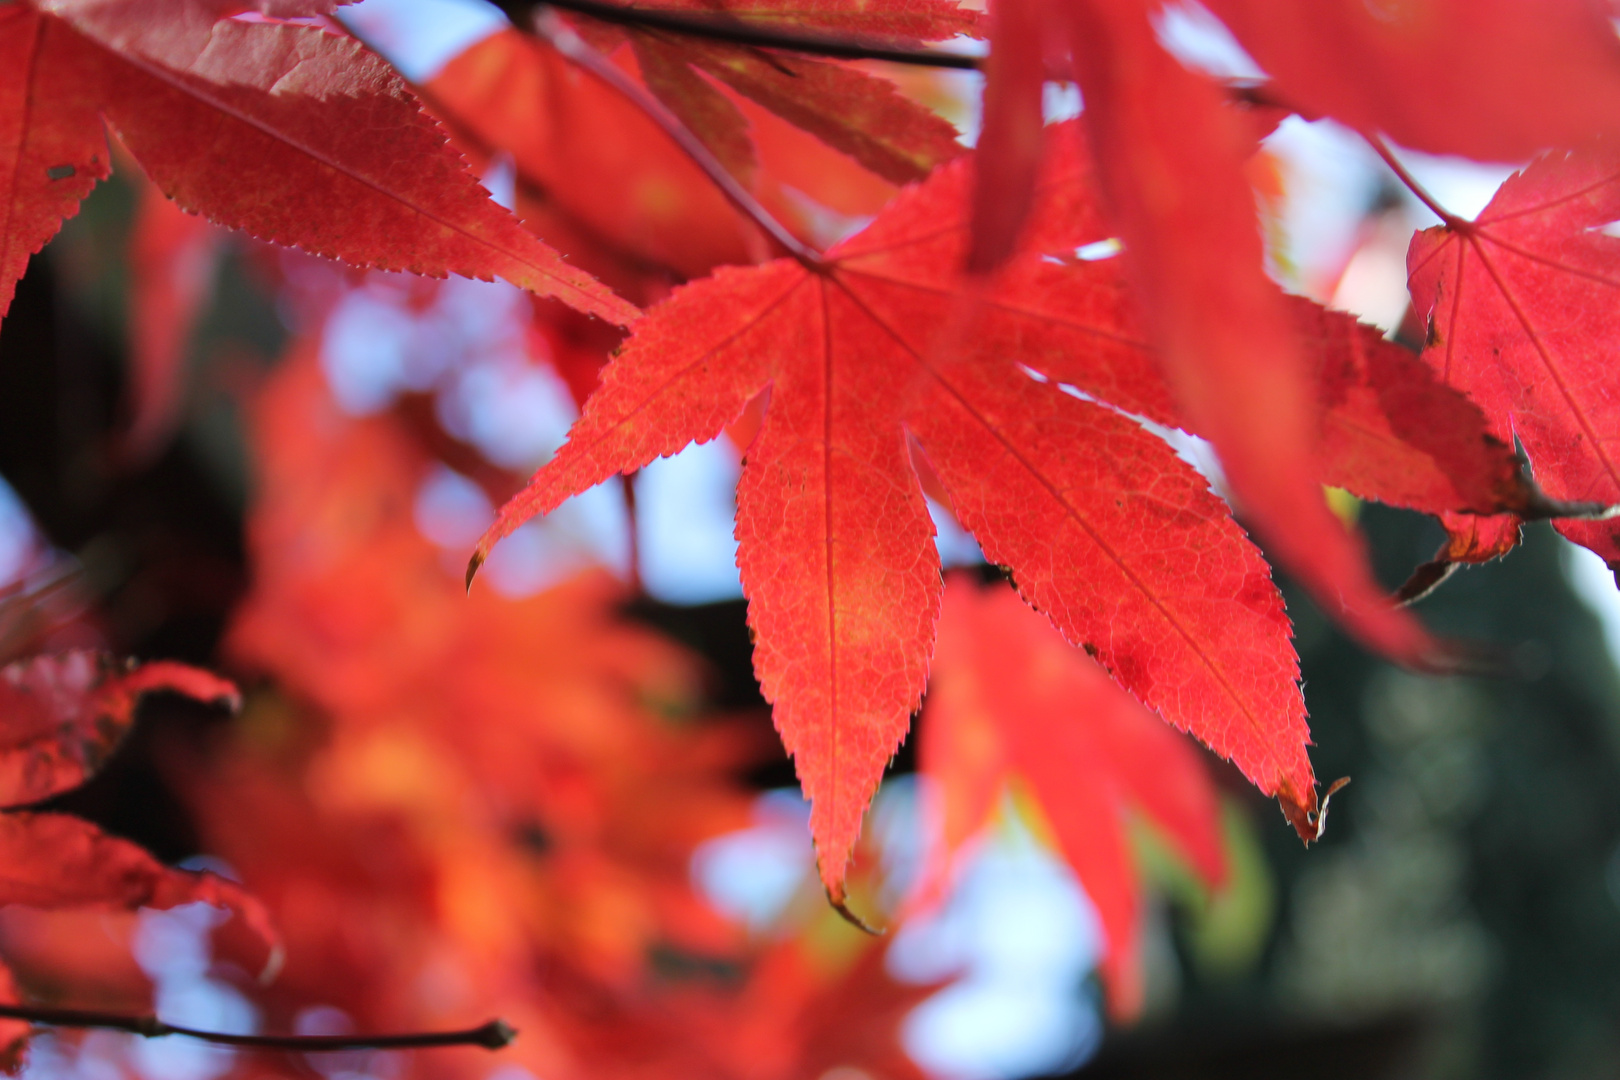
(872, 351)
(1010, 698)
(343, 162)
(1517, 303)
(869, 358)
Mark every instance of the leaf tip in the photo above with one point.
(474, 563)
(840, 904)
(1309, 818)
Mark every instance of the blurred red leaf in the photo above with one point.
(592, 152)
(1010, 698)
(62, 716)
(58, 861)
(1496, 80)
(171, 276)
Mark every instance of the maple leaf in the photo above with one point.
(1103, 527)
(62, 716)
(1388, 428)
(602, 182)
(1495, 80)
(1517, 306)
(344, 163)
(1011, 698)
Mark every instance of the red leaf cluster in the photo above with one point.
(501, 787)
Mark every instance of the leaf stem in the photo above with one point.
(1381, 148)
(735, 31)
(491, 1036)
(551, 29)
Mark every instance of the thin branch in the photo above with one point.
(552, 29)
(1381, 148)
(735, 31)
(492, 1036)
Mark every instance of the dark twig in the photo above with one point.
(491, 1036)
(736, 32)
(552, 29)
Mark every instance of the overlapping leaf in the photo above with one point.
(56, 860)
(1170, 157)
(343, 162)
(857, 113)
(1518, 305)
(1393, 432)
(591, 152)
(884, 348)
(62, 716)
(1010, 699)
(1495, 80)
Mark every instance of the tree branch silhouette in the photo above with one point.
(492, 1036)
